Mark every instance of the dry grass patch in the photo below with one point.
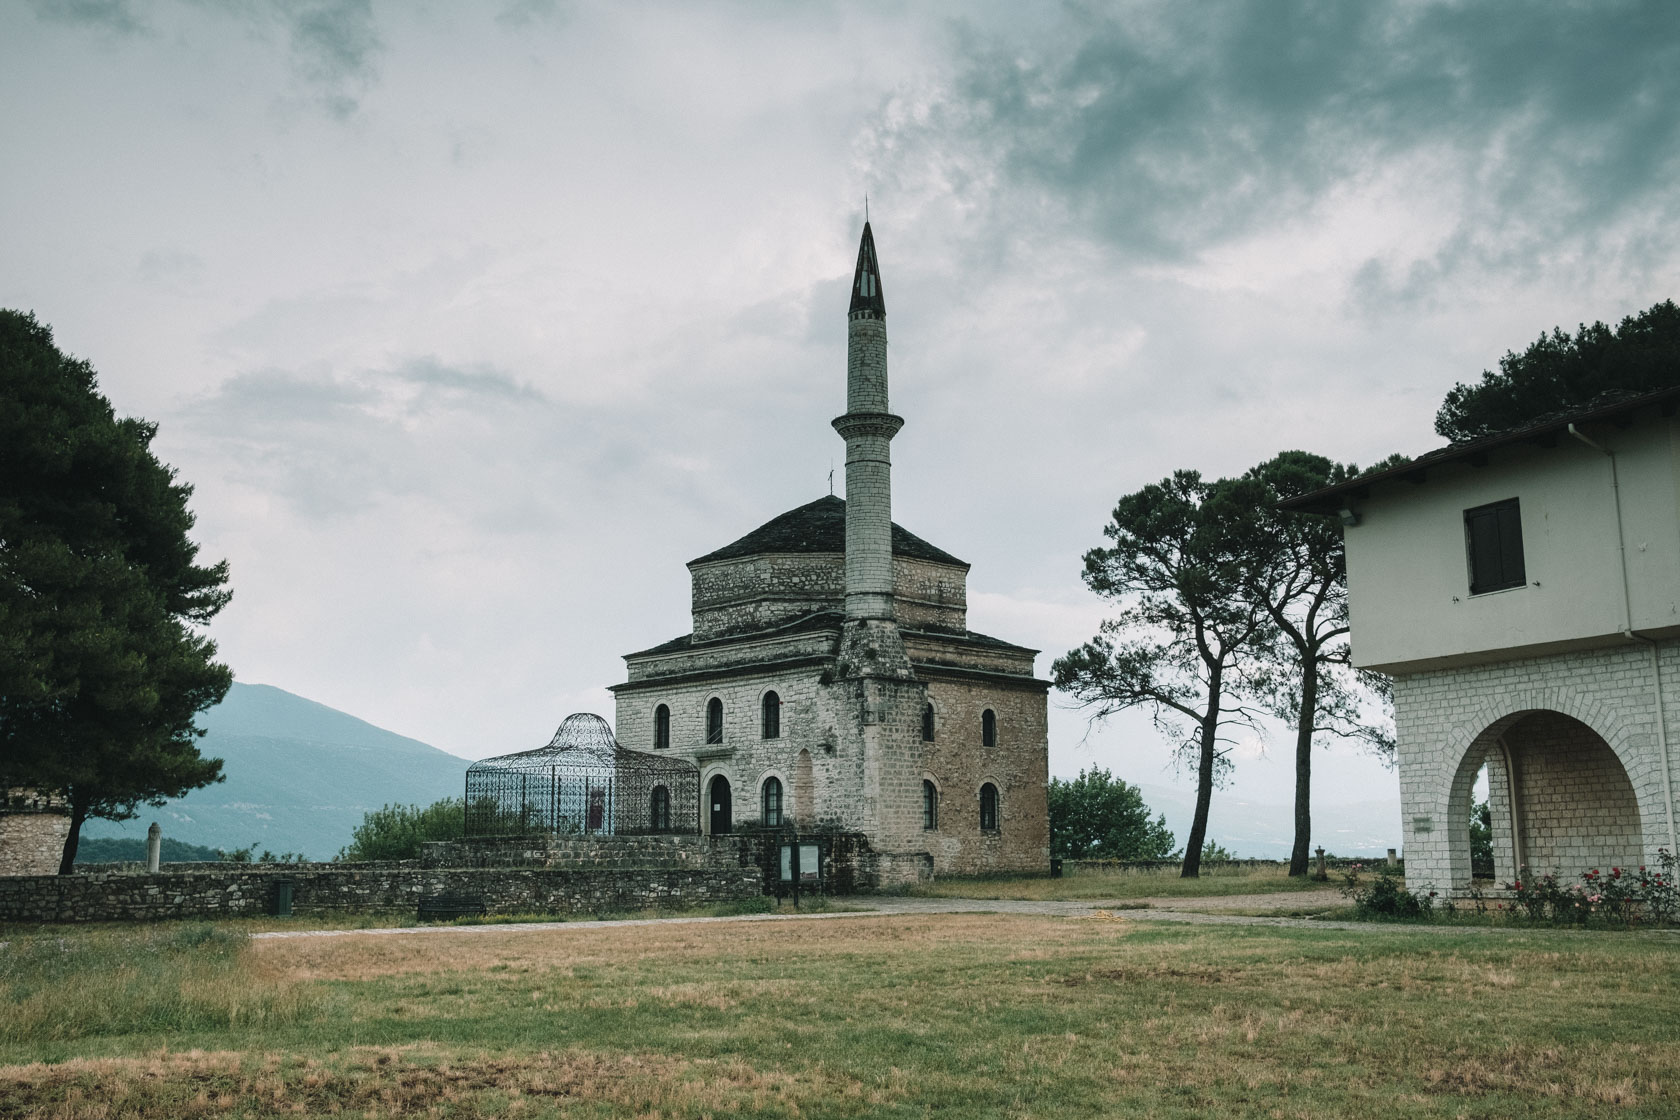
(403, 1081)
(974, 1015)
(1160, 885)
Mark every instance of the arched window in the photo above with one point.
(772, 803)
(930, 805)
(927, 723)
(771, 724)
(714, 721)
(659, 810)
(988, 728)
(988, 808)
(661, 728)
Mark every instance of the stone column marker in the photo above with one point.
(154, 847)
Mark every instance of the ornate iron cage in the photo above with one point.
(582, 783)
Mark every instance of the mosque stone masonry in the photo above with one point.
(830, 683)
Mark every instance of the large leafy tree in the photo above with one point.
(1295, 569)
(102, 665)
(1566, 371)
(1187, 645)
(1099, 816)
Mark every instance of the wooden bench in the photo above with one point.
(446, 907)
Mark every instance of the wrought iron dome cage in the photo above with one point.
(582, 783)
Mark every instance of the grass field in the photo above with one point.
(960, 1015)
(1129, 883)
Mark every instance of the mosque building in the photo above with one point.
(830, 680)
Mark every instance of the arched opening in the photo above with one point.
(714, 721)
(927, 723)
(1559, 800)
(661, 728)
(930, 805)
(659, 809)
(988, 728)
(770, 722)
(988, 808)
(717, 796)
(770, 803)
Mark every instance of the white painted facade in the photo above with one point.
(1566, 687)
(1407, 566)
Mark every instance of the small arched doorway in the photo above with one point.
(717, 796)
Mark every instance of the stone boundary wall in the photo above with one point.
(1336, 863)
(251, 891)
(676, 852)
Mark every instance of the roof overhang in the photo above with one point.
(1332, 500)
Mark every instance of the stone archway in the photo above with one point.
(1560, 798)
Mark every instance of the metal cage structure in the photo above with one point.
(582, 783)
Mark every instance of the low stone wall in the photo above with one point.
(849, 864)
(597, 852)
(222, 894)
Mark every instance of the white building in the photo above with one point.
(1523, 592)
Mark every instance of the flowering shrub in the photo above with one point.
(1619, 896)
(1384, 896)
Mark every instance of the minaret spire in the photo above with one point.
(868, 428)
(866, 281)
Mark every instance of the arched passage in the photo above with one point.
(1560, 799)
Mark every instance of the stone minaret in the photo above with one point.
(868, 429)
(877, 699)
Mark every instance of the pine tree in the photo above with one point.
(102, 665)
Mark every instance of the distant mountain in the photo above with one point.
(1265, 831)
(300, 776)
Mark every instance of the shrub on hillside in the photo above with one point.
(397, 831)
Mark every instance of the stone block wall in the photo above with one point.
(675, 853)
(32, 843)
(1449, 721)
(959, 763)
(324, 889)
(805, 756)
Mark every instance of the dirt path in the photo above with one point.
(1162, 910)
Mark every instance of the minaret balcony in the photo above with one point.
(868, 424)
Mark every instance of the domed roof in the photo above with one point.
(820, 526)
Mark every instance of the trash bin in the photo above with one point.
(282, 898)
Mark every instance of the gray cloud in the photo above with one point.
(1166, 128)
(334, 44)
(108, 15)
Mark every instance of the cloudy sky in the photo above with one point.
(472, 323)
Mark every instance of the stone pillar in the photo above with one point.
(154, 848)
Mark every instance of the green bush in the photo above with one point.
(1099, 816)
(397, 831)
(1385, 896)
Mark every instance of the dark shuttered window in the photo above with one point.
(1493, 538)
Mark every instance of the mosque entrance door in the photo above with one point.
(719, 798)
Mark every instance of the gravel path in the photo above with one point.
(1116, 909)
